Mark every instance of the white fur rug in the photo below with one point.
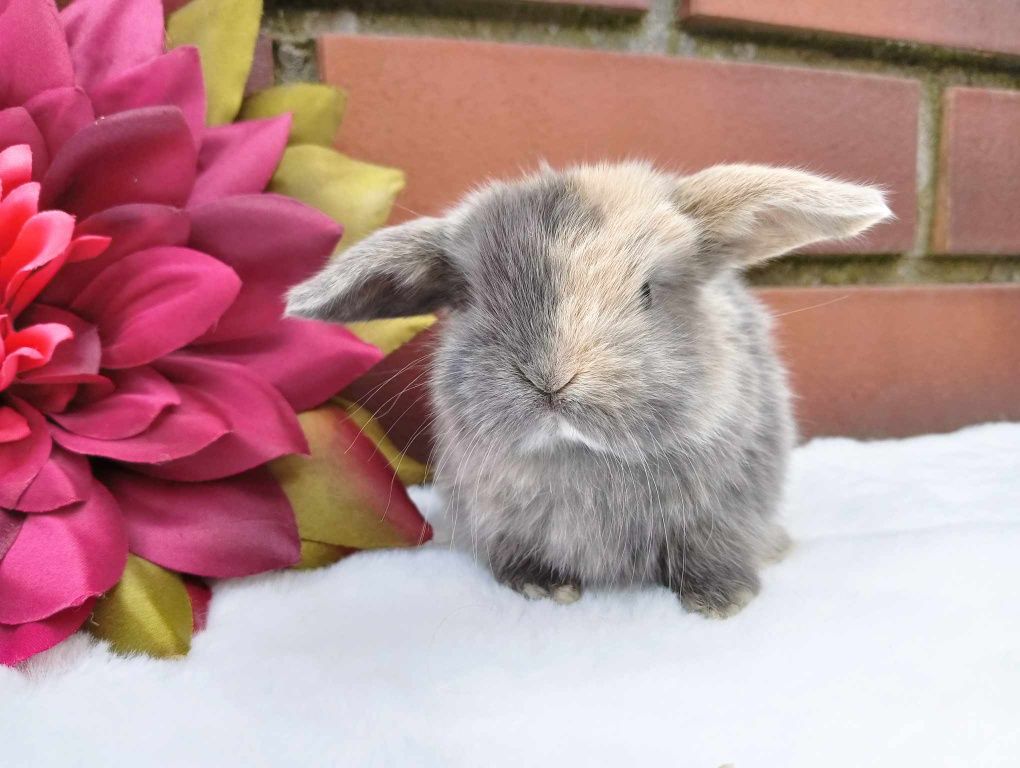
(890, 636)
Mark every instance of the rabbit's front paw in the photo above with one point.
(564, 594)
(536, 581)
(718, 599)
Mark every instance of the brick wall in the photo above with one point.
(921, 96)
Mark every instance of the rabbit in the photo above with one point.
(609, 407)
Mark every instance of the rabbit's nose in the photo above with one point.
(553, 393)
(550, 391)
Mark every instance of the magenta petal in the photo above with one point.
(13, 425)
(140, 397)
(65, 479)
(61, 559)
(200, 596)
(21, 460)
(156, 301)
(262, 423)
(233, 527)
(142, 156)
(272, 242)
(33, 52)
(308, 361)
(131, 228)
(18, 127)
(239, 158)
(22, 641)
(179, 431)
(108, 36)
(174, 79)
(10, 527)
(60, 113)
(74, 360)
(16, 209)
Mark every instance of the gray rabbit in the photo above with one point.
(609, 407)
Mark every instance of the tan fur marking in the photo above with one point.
(605, 268)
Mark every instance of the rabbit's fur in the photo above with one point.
(609, 407)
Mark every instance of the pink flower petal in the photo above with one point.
(177, 432)
(272, 242)
(38, 251)
(239, 158)
(13, 425)
(140, 397)
(60, 113)
(27, 288)
(131, 228)
(126, 32)
(22, 641)
(262, 424)
(61, 559)
(21, 460)
(87, 247)
(65, 479)
(77, 359)
(17, 127)
(33, 52)
(49, 398)
(10, 527)
(153, 302)
(306, 360)
(34, 346)
(175, 79)
(142, 156)
(200, 596)
(233, 527)
(43, 238)
(15, 167)
(16, 208)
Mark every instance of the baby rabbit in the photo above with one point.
(609, 407)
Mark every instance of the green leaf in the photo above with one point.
(148, 611)
(225, 32)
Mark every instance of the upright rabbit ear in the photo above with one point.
(749, 213)
(397, 271)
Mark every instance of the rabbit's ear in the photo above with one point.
(397, 271)
(749, 213)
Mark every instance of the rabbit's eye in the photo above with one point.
(646, 295)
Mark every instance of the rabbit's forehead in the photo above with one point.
(637, 226)
(572, 247)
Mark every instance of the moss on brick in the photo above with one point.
(869, 270)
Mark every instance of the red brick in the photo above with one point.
(978, 195)
(980, 25)
(864, 362)
(453, 113)
(897, 361)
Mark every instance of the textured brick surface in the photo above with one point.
(979, 193)
(864, 362)
(982, 25)
(452, 113)
(890, 362)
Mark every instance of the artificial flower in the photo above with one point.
(148, 378)
(357, 194)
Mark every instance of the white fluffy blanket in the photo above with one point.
(889, 637)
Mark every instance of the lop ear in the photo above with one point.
(749, 213)
(397, 271)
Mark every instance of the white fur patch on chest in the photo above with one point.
(557, 431)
